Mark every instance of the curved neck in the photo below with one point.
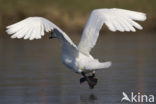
(63, 38)
(67, 45)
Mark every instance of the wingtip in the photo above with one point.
(31, 38)
(8, 31)
(141, 28)
(144, 17)
(13, 37)
(140, 16)
(7, 27)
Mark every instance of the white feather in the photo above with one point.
(29, 32)
(33, 28)
(115, 19)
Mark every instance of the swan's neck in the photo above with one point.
(63, 38)
(66, 42)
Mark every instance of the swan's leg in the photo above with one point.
(93, 80)
(92, 75)
(90, 79)
(84, 78)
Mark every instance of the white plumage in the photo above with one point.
(115, 19)
(79, 58)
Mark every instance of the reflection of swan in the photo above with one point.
(79, 58)
(92, 97)
(88, 98)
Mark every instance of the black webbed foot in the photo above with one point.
(90, 79)
(92, 82)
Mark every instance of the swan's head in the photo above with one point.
(53, 35)
(56, 34)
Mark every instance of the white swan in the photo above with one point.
(78, 58)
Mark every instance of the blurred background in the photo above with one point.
(71, 15)
(32, 71)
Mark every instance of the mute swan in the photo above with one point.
(78, 58)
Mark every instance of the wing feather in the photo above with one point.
(29, 32)
(42, 30)
(34, 28)
(115, 19)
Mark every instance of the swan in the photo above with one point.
(78, 58)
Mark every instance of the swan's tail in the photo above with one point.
(102, 65)
(94, 65)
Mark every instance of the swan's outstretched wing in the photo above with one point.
(30, 28)
(33, 28)
(115, 19)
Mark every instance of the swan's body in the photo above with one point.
(78, 58)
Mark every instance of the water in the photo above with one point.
(32, 71)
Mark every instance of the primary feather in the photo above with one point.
(30, 28)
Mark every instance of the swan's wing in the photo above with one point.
(33, 28)
(115, 19)
(30, 28)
